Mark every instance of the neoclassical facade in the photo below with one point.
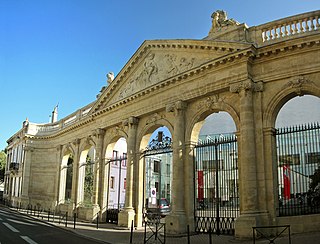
(248, 72)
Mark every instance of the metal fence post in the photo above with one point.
(74, 220)
(66, 219)
(97, 220)
(131, 233)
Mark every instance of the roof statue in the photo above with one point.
(110, 77)
(220, 20)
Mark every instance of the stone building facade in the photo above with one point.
(248, 72)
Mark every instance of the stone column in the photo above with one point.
(127, 214)
(75, 177)
(98, 170)
(26, 176)
(99, 134)
(249, 213)
(176, 221)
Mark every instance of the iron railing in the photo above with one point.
(216, 185)
(298, 160)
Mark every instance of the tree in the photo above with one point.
(3, 160)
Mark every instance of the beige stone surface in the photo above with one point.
(238, 69)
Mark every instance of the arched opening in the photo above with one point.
(86, 177)
(66, 175)
(158, 172)
(298, 156)
(115, 178)
(216, 186)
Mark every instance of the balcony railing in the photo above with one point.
(290, 27)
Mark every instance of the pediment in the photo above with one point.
(157, 61)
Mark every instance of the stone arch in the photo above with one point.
(146, 131)
(112, 136)
(67, 152)
(85, 146)
(205, 108)
(297, 86)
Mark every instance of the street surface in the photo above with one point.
(16, 228)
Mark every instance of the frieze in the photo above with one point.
(156, 68)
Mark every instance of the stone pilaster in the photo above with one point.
(176, 221)
(99, 134)
(249, 210)
(75, 175)
(127, 214)
(26, 176)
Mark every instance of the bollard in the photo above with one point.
(188, 232)
(97, 220)
(74, 220)
(131, 234)
(66, 219)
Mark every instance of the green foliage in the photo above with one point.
(88, 181)
(3, 160)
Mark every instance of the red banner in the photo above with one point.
(286, 182)
(200, 185)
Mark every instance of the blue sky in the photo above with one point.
(59, 51)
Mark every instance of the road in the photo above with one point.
(16, 228)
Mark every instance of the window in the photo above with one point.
(289, 159)
(112, 182)
(115, 157)
(313, 158)
(156, 185)
(156, 166)
(212, 164)
(124, 160)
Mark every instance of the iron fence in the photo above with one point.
(298, 160)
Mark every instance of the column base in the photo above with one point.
(125, 218)
(244, 224)
(176, 223)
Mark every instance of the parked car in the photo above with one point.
(162, 208)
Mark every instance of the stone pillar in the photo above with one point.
(98, 188)
(176, 221)
(127, 214)
(99, 163)
(249, 209)
(75, 176)
(26, 176)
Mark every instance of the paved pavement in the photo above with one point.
(112, 234)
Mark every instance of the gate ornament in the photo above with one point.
(159, 143)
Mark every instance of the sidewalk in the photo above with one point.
(112, 234)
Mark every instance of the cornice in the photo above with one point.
(231, 47)
(246, 53)
(285, 46)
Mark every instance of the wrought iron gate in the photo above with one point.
(298, 159)
(158, 175)
(216, 185)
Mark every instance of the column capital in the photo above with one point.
(130, 121)
(176, 106)
(76, 142)
(247, 85)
